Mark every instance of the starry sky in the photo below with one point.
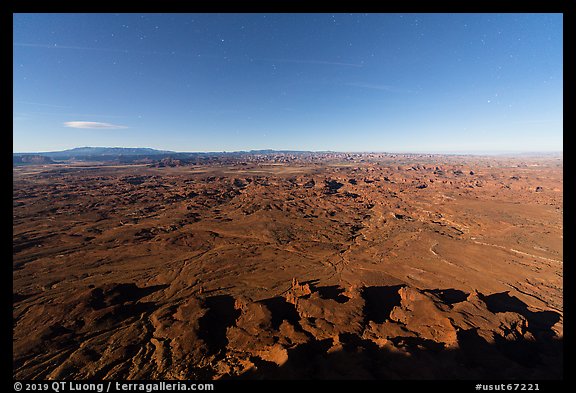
(438, 83)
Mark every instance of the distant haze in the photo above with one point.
(422, 83)
(115, 152)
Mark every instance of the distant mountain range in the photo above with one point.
(102, 151)
(125, 154)
(138, 154)
(88, 154)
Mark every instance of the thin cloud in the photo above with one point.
(93, 125)
(300, 61)
(388, 88)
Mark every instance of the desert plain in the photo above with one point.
(328, 266)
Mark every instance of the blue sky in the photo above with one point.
(343, 82)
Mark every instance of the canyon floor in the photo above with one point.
(399, 267)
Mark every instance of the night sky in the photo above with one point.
(456, 83)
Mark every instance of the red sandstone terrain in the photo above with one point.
(369, 267)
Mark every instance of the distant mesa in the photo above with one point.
(106, 151)
(170, 162)
(31, 159)
(89, 154)
(158, 158)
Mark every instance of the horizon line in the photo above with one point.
(433, 152)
